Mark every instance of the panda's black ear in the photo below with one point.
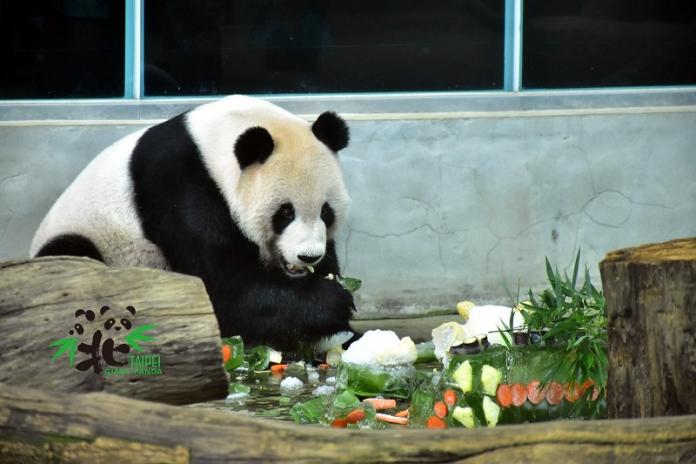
(255, 145)
(332, 130)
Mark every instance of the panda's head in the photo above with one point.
(291, 195)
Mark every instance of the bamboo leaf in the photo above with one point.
(65, 345)
(138, 335)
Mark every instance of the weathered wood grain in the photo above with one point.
(36, 426)
(651, 306)
(38, 301)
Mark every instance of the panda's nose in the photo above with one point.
(309, 259)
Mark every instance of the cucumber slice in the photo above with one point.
(491, 411)
(464, 377)
(490, 378)
(464, 416)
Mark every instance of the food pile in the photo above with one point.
(540, 360)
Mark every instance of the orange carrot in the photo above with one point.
(380, 403)
(403, 413)
(391, 419)
(450, 397)
(339, 423)
(595, 393)
(226, 353)
(278, 368)
(554, 395)
(355, 416)
(440, 409)
(519, 394)
(586, 384)
(572, 392)
(435, 422)
(504, 395)
(535, 394)
(323, 366)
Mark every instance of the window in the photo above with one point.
(62, 49)
(155, 48)
(268, 47)
(591, 43)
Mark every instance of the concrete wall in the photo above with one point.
(446, 205)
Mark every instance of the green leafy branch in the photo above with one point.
(573, 318)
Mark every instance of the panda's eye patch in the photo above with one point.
(110, 323)
(327, 215)
(126, 323)
(283, 217)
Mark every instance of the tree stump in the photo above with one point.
(650, 292)
(174, 359)
(38, 426)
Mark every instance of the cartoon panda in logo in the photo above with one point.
(238, 192)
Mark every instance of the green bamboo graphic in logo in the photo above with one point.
(104, 346)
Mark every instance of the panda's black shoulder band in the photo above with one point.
(255, 145)
(332, 130)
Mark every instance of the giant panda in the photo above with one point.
(238, 192)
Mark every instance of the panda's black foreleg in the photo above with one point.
(284, 315)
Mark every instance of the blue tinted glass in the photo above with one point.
(274, 46)
(62, 49)
(600, 43)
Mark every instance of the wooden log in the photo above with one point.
(39, 299)
(651, 307)
(38, 426)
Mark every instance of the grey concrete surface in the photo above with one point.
(443, 209)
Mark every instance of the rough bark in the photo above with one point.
(38, 303)
(651, 306)
(37, 426)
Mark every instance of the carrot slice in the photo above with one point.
(380, 403)
(595, 393)
(586, 384)
(440, 409)
(554, 395)
(435, 422)
(355, 416)
(323, 366)
(339, 423)
(226, 353)
(504, 395)
(391, 419)
(572, 392)
(535, 394)
(278, 368)
(450, 397)
(403, 413)
(519, 394)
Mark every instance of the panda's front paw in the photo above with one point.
(336, 301)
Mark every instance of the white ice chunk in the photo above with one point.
(312, 376)
(381, 347)
(290, 385)
(323, 390)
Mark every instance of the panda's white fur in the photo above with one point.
(99, 204)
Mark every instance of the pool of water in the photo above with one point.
(267, 399)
